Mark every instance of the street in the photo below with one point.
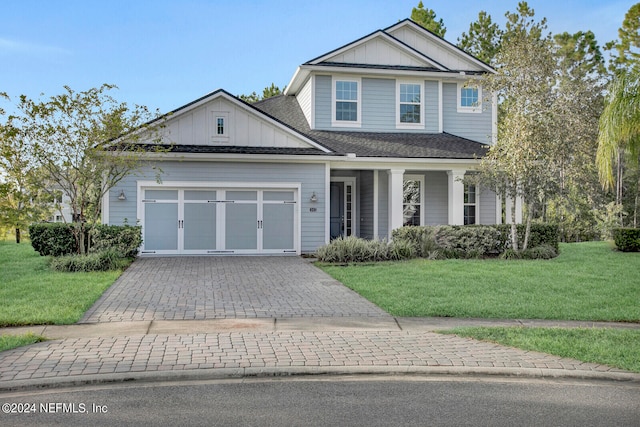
(335, 401)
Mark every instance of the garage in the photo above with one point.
(219, 220)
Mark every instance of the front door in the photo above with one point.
(342, 207)
(337, 209)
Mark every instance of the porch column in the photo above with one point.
(456, 196)
(396, 192)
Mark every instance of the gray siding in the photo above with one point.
(487, 207)
(436, 195)
(366, 204)
(311, 176)
(383, 204)
(304, 99)
(431, 110)
(378, 104)
(323, 102)
(474, 126)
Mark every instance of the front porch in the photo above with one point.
(370, 203)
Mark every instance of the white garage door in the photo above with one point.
(219, 221)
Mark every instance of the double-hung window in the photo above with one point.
(469, 98)
(346, 102)
(470, 204)
(410, 109)
(220, 126)
(413, 200)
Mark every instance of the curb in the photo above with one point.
(312, 371)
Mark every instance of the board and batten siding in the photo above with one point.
(311, 176)
(243, 128)
(474, 126)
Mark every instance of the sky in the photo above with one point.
(164, 54)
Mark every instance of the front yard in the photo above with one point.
(31, 294)
(588, 281)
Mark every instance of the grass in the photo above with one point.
(8, 342)
(31, 294)
(614, 347)
(588, 281)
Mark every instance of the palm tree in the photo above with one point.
(620, 131)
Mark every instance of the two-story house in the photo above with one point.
(367, 138)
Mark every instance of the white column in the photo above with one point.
(456, 196)
(518, 210)
(396, 191)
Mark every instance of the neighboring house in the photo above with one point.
(61, 207)
(366, 138)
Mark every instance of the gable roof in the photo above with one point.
(374, 144)
(405, 47)
(292, 141)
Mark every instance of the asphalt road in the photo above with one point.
(333, 401)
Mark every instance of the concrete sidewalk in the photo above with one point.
(223, 348)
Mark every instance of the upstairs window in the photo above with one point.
(469, 98)
(346, 103)
(219, 126)
(409, 105)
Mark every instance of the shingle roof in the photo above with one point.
(373, 144)
(230, 149)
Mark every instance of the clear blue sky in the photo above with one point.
(164, 54)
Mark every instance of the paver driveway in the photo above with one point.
(184, 288)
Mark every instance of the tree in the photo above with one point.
(620, 130)
(427, 19)
(21, 201)
(83, 144)
(483, 39)
(626, 51)
(517, 165)
(267, 92)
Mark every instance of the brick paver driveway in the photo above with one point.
(185, 288)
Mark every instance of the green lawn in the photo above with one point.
(588, 281)
(7, 342)
(613, 347)
(31, 294)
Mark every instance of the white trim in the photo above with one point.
(476, 203)
(327, 200)
(375, 204)
(352, 181)
(456, 196)
(440, 107)
(420, 179)
(396, 182)
(402, 125)
(475, 108)
(224, 137)
(346, 123)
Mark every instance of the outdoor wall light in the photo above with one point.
(121, 196)
(314, 198)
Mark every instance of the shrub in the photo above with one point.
(540, 252)
(54, 239)
(354, 249)
(401, 249)
(627, 239)
(470, 241)
(98, 261)
(125, 239)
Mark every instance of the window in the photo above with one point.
(412, 200)
(409, 113)
(346, 103)
(469, 98)
(470, 204)
(219, 126)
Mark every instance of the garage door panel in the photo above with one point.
(161, 229)
(240, 226)
(199, 226)
(277, 226)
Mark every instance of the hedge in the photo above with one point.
(627, 239)
(57, 239)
